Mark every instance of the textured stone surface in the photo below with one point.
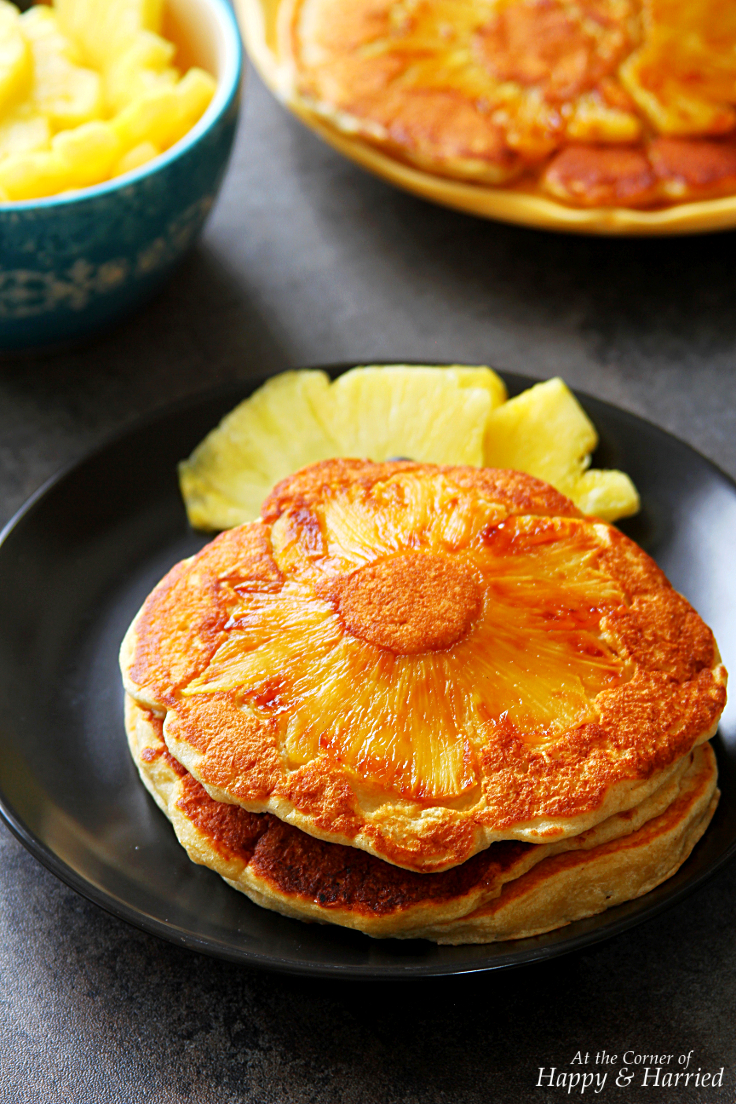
(308, 260)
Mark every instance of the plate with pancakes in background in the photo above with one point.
(430, 701)
(587, 116)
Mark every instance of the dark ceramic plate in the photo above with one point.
(75, 565)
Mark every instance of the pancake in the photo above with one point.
(570, 97)
(419, 661)
(508, 890)
(579, 884)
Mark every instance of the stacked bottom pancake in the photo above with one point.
(510, 890)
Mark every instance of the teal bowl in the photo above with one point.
(75, 264)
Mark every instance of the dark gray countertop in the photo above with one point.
(308, 260)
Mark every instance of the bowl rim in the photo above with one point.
(228, 83)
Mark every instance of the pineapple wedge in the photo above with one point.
(268, 436)
(135, 157)
(609, 495)
(144, 65)
(162, 115)
(429, 414)
(435, 415)
(544, 431)
(88, 152)
(32, 175)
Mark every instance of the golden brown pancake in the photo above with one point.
(419, 661)
(284, 869)
(568, 96)
(578, 884)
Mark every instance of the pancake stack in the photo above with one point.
(426, 701)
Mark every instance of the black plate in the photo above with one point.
(75, 564)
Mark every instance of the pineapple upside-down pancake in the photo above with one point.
(596, 102)
(419, 662)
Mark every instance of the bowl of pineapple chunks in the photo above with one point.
(117, 118)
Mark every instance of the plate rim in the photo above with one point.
(484, 201)
(210, 946)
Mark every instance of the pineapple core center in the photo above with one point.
(408, 603)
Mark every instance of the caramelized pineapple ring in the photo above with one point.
(403, 668)
(420, 660)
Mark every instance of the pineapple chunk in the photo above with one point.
(32, 175)
(88, 153)
(151, 117)
(609, 495)
(143, 66)
(23, 130)
(195, 91)
(103, 29)
(63, 91)
(164, 115)
(423, 413)
(16, 67)
(543, 431)
(133, 159)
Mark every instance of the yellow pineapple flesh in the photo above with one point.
(88, 153)
(135, 157)
(16, 66)
(144, 65)
(164, 112)
(87, 92)
(528, 668)
(66, 92)
(32, 175)
(609, 495)
(542, 431)
(265, 438)
(545, 432)
(104, 29)
(427, 414)
(22, 130)
(435, 415)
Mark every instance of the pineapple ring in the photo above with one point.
(492, 896)
(569, 697)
